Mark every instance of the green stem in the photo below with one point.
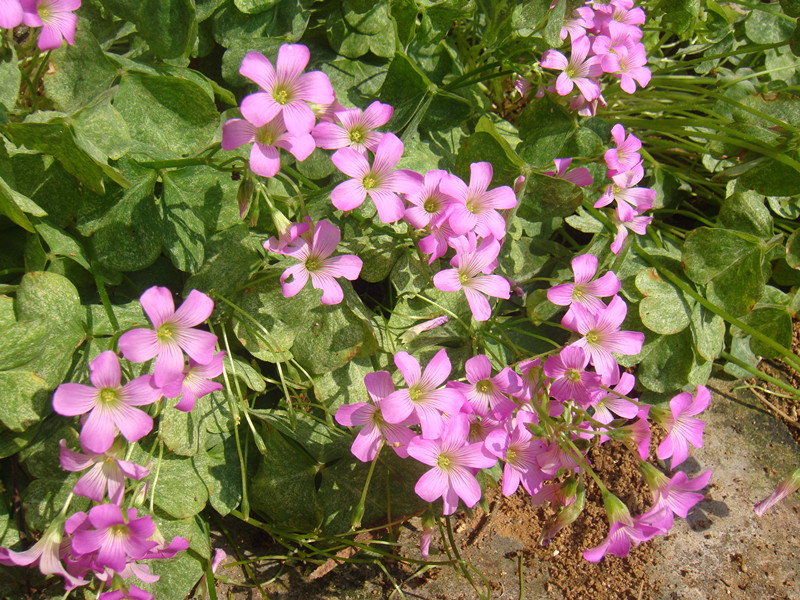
(760, 374)
(358, 513)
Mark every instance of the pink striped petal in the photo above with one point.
(72, 399)
(260, 108)
(315, 87)
(292, 60)
(237, 132)
(105, 371)
(264, 160)
(331, 290)
(158, 305)
(349, 194)
(257, 68)
(139, 345)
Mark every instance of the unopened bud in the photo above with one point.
(565, 516)
(244, 194)
(786, 487)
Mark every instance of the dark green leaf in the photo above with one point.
(180, 492)
(167, 116)
(254, 6)
(10, 77)
(547, 197)
(357, 81)
(745, 211)
(26, 399)
(229, 260)
(680, 16)
(79, 72)
(773, 321)
(772, 178)
(217, 469)
(708, 330)
(552, 31)
(57, 138)
(763, 27)
(666, 362)
(528, 14)
(663, 309)
(404, 88)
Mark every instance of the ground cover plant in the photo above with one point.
(323, 266)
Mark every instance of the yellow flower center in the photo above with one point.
(592, 337)
(443, 461)
(281, 95)
(356, 136)
(414, 393)
(165, 332)
(484, 385)
(511, 455)
(431, 205)
(369, 182)
(108, 395)
(313, 264)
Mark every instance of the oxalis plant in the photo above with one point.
(436, 247)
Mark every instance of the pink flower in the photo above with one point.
(679, 494)
(570, 379)
(634, 222)
(424, 398)
(380, 181)
(172, 335)
(429, 205)
(10, 14)
(266, 139)
(47, 553)
(195, 382)
(116, 538)
(584, 291)
(469, 262)
(313, 250)
(625, 529)
(108, 472)
(682, 426)
(126, 593)
(453, 460)
(615, 403)
(476, 206)
(516, 446)
(286, 89)
(575, 71)
(786, 487)
(626, 155)
(54, 17)
(628, 64)
(579, 176)
(602, 336)
(354, 129)
(365, 447)
(487, 394)
(110, 406)
(583, 19)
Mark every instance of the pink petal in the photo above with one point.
(326, 238)
(447, 280)
(351, 163)
(132, 423)
(349, 194)
(158, 305)
(299, 117)
(260, 108)
(432, 485)
(390, 206)
(584, 267)
(105, 371)
(495, 286)
(437, 371)
(139, 345)
(553, 59)
(71, 460)
(409, 367)
(465, 486)
(301, 146)
(315, 87)
(10, 14)
(195, 309)
(331, 290)
(347, 266)
(330, 136)
(93, 484)
(98, 431)
(72, 399)
(353, 415)
(264, 160)
(379, 385)
(377, 115)
(292, 60)
(365, 446)
(256, 67)
(478, 304)
(389, 152)
(299, 276)
(478, 368)
(397, 406)
(480, 177)
(169, 364)
(198, 344)
(140, 391)
(237, 132)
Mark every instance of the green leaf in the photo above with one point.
(288, 20)
(180, 492)
(583, 221)
(45, 181)
(57, 138)
(11, 203)
(545, 129)
(552, 31)
(344, 385)
(666, 362)
(232, 59)
(218, 472)
(43, 499)
(663, 309)
(167, 116)
(184, 231)
(487, 145)
(229, 260)
(763, 27)
(254, 6)
(547, 197)
(283, 486)
(730, 262)
(708, 331)
(793, 250)
(773, 321)
(357, 81)
(528, 14)
(353, 34)
(404, 88)
(791, 7)
(332, 336)
(772, 178)
(102, 129)
(12, 442)
(128, 236)
(63, 244)
(181, 432)
(26, 399)
(10, 77)
(79, 73)
(680, 16)
(745, 211)
(41, 458)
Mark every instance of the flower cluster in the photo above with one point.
(55, 17)
(536, 419)
(109, 540)
(604, 40)
(625, 169)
